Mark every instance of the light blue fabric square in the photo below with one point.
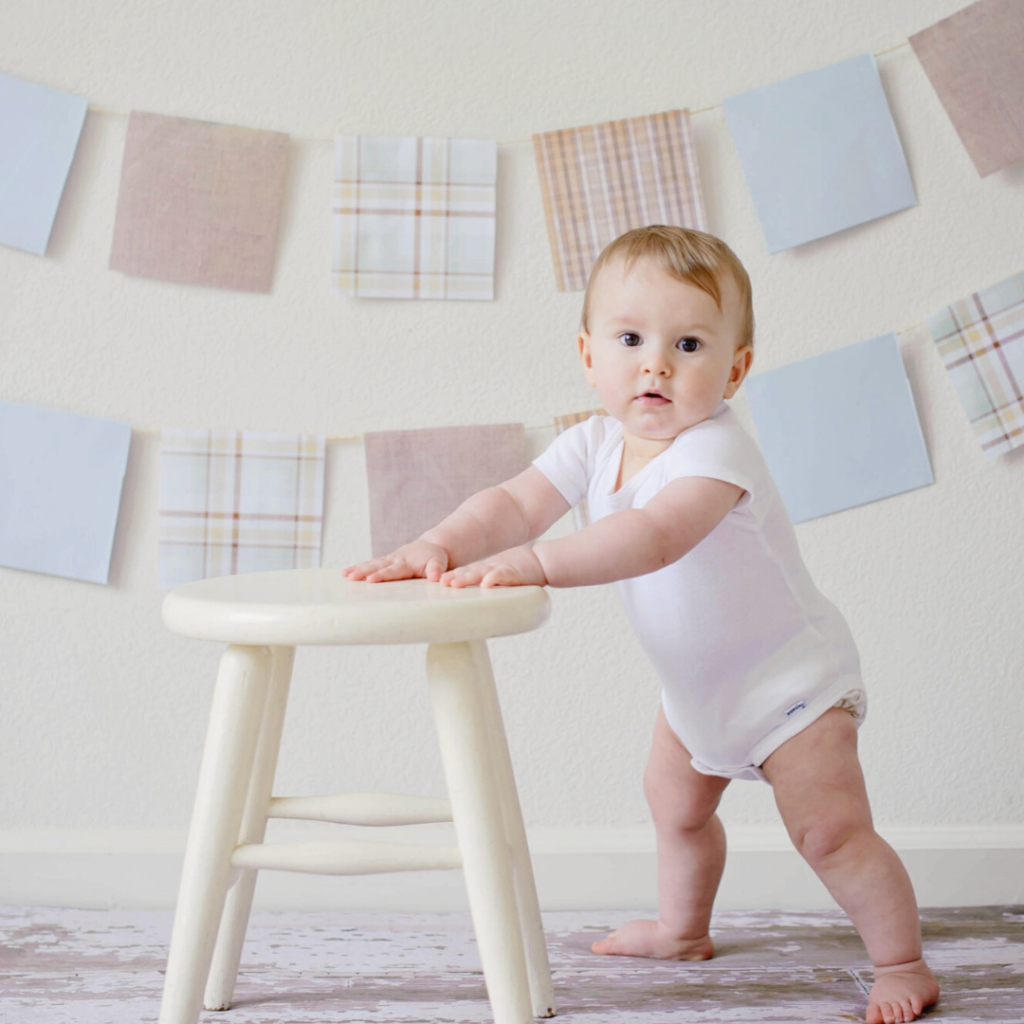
(840, 429)
(39, 130)
(60, 490)
(820, 152)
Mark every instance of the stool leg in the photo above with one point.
(238, 702)
(538, 967)
(227, 954)
(476, 811)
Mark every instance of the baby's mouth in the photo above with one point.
(652, 398)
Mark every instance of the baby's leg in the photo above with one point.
(819, 789)
(691, 856)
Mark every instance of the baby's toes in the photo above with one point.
(879, 1013)
(605, 946)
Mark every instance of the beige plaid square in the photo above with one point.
(236, 502)
(580, 514)
(414, 218)
(602, 180)
(981, 341)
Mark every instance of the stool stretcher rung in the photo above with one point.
(355, 857)
(362, 809)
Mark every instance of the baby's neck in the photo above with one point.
(644, 448)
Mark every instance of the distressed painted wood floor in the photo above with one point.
(105, 967)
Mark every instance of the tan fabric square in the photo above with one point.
(417, 477)
(199, 202)
(975, 60)
(605, 179)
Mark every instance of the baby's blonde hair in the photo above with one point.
(687, 255)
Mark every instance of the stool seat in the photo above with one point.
(321, 606)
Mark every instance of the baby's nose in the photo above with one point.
(657, 363)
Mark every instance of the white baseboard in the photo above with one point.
(576, 869)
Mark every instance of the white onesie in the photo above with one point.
(748, 649)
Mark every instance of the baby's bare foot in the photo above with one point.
(653, 939)
(901, 992)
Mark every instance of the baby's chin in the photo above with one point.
(654, 427)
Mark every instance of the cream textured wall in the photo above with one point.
(104, 711)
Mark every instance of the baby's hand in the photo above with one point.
(420, 558)
(516, 567)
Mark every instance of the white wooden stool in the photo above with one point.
(263, 617)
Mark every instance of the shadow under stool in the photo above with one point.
(263, 617)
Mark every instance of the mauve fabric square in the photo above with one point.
(975, 60)
(417, 477)
(199, 202)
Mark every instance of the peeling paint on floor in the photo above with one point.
(105, 967)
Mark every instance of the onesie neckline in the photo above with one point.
(618, 440)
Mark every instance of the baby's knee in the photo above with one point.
(822, 838)
(676, 806)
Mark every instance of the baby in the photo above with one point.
(760, 674)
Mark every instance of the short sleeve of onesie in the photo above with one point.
(568, 462)
(718, 448)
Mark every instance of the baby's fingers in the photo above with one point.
(434, 569)
(464, 576)
(500, 576)
(361, 570)
(396, 570)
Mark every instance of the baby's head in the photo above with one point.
(667, 329)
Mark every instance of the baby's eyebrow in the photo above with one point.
(625, 323)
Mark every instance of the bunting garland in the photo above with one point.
(415, 218)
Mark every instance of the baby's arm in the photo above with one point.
(628, 543)
(494, 519)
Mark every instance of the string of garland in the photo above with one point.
(505, 142)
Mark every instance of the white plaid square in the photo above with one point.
(981, 341)
(414, 218)
(236, 502)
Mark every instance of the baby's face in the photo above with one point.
(659, 351)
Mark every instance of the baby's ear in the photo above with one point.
(740, 368)
(583, 347)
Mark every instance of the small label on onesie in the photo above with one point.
(798, 706)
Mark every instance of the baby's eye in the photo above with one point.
(629, 339)
(688, 344)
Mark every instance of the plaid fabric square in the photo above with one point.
(973, 59)
(236, 502)
(414, 218)
(580, 514)
(199, 202)
(602, 180)
(417, 477)
(981, 341)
